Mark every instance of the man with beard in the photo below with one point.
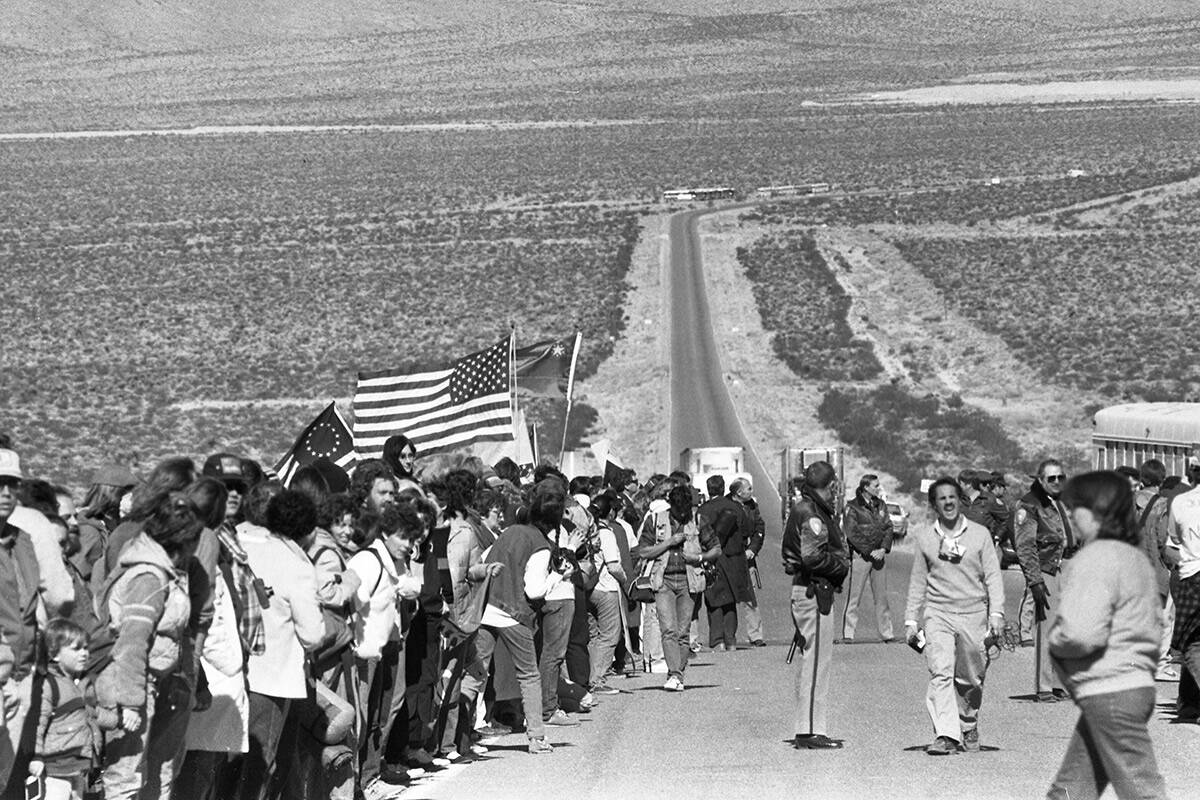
(1044, 540)
(955, 599)
(816, 556)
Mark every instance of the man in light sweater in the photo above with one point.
(955, 599)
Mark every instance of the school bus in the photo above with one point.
(1128, 434)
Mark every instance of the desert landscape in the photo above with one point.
(217, 215)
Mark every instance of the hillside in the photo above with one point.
(185, 62)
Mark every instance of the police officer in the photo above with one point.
(981, 506)
(1044, 540)
(816, 556)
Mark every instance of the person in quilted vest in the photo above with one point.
(146, 602)
(68, 740)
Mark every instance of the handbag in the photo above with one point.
(462, 629)
(640, 590)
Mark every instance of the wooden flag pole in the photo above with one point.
(570, 394)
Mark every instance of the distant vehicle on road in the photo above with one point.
(899, 520)
(704, 462)
(793, 462)
(700, 193)
(792, 190)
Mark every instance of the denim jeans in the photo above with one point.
(517, 641)
(556, 618)
(125, 754)
(267, 715)
(674, 604)
(606, 630)
(1110, 746)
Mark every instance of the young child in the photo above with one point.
(67, 732)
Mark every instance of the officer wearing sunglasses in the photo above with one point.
(1044, 539)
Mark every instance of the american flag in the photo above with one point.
(327, 436)
(440, 409)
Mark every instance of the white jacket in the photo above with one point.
(377, 601)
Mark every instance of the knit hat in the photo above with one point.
(115, 475)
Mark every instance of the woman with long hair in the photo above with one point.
(1104, 645)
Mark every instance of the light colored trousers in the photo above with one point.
(957, 663)
(812, 679)
(862, 577)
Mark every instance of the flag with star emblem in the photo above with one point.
(327, 436)
(547, 368)
(439, 409)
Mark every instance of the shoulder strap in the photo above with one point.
(1146, 511)
(327, 549)
(378, 558)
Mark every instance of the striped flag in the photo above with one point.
(327, 436)
(440, 409)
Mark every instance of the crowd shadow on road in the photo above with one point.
(691, 687)
(920, 748)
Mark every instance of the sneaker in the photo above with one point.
(379, 789)
(420, 758)
(759, 643)
(1061, 694)
(587, 702)
(673, 684)
(970, 740)
(399, 776)
(1047, 697)
(560, 719)
(539, 746)
(1167, 673)
(694, 647)
(942, 746)
(478, 750)
(815, 741)
(602, 687)
(494, 729)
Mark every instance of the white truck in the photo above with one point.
(793, 462)
(704, 462)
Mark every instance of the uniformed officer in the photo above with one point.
(955, 599)
(1044, 540)
(816, 556)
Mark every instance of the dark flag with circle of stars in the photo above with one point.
(327, 436)
(547, 368)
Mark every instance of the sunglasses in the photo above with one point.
(1055, 478)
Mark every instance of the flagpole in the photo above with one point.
(570, 393)
(512, 384)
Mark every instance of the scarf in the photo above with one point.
(250, 623)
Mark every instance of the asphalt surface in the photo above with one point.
(729, 733)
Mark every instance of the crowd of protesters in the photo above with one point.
(212, 633)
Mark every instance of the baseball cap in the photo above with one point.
(115, 475)
(227, 468)
(10, 464)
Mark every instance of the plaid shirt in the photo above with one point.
(250, 624)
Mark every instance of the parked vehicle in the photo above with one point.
(703, 462)
(899, 521)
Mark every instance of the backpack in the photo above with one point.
(103, 636)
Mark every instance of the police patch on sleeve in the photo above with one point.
(1022, 515)
(817, 526)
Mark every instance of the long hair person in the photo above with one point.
(1104, 645)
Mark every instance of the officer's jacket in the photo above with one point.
(988, 511)
(1041, 534)
(813, 544)
(867, 525)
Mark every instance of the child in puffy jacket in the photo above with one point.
(67, 735)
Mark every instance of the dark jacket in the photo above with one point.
(989, 512)
(867, 525)
(813, 544)
(1042, 534)
(732, 583)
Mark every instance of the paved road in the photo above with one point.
(728, 734)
